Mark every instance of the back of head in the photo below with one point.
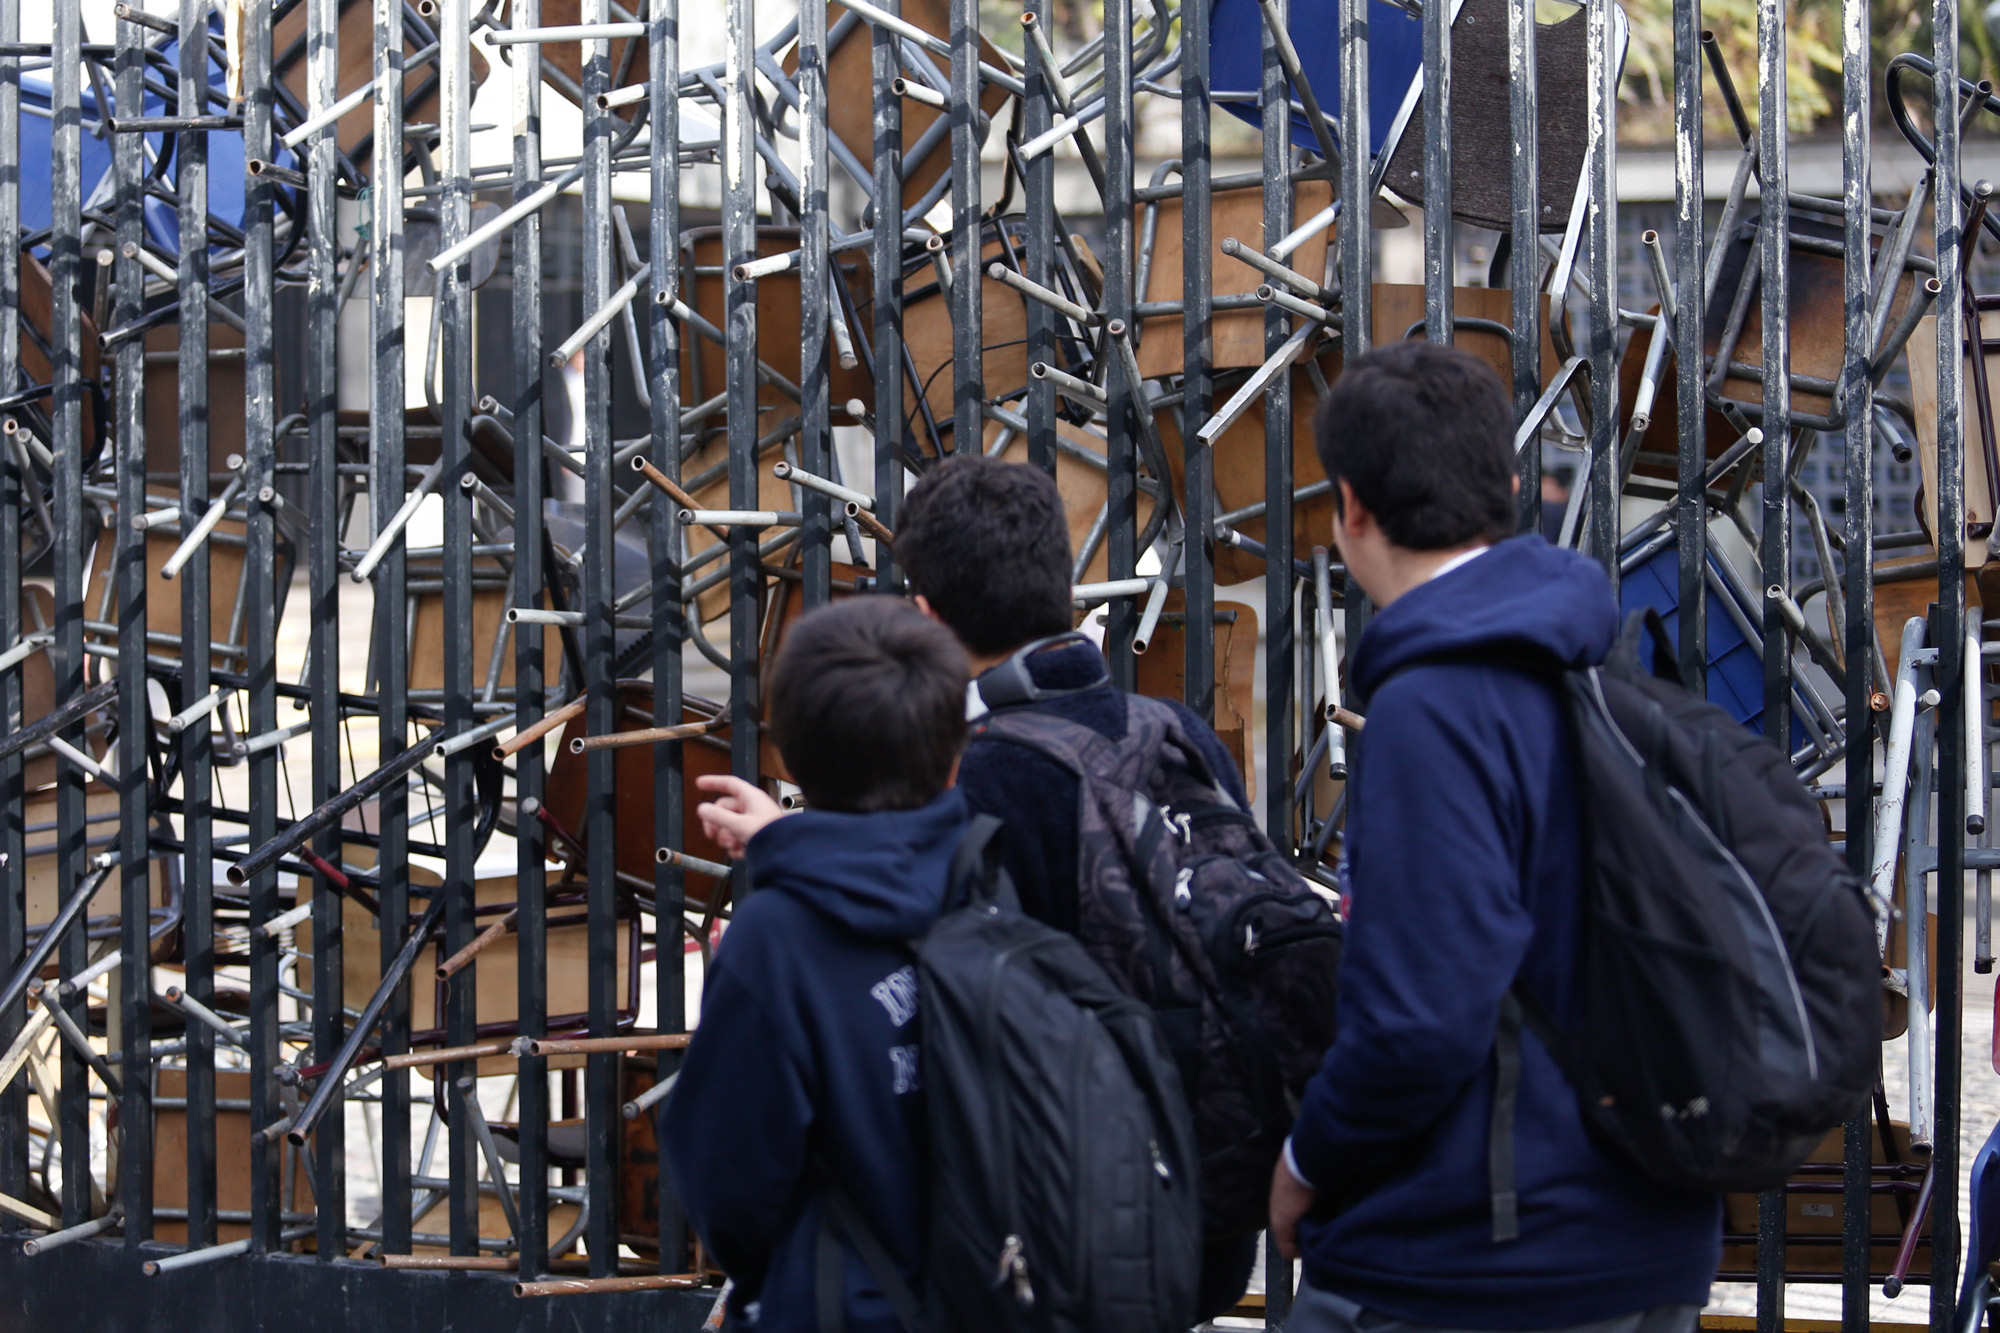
(986, 543)
(1424, 435)
(868, 705)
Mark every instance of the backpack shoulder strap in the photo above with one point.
(1082, 750)
(1518, 1009)
(975, 865)
(1626, 657)
(840, 1220)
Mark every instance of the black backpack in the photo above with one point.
(1192, 910)
(1063, 1179)
(1730, 985)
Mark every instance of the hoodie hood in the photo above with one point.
(1522, 593)
(882, 875)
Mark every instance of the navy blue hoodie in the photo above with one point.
(805, 1059)
(1462, 861)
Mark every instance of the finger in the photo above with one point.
(728, 785)
(737, 824)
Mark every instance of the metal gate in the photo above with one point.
(346, 934)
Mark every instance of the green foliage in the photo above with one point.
(1812, 58)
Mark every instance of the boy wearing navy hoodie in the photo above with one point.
(1463, 869)
(802, 1083)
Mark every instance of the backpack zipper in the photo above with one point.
(1013, 1263)
(1014, 1267)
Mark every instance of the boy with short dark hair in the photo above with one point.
(1415, 1208)
(985, 547)
(803, 1078)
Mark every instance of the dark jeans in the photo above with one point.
(1225, 1273)
(1317, 1311)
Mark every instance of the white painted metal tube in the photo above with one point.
(24, 1042)
(1895, 779)
(83, 761)
(26, 648)
(572, 32)
(204, 526)
(284, 921)
(1098, 592)
(366, 92)
(1253, 388)
(196, 711)
(379, 548)
(814, 482)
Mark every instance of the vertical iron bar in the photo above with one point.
(66, 654)
(196, 746)
(1948, 636)
(323, 666)
(1122, 426)
(1601, 260)
(13, 879)
(391, 644)
(135, 990)
(599, 836)
(1280, 666)
(886, 263)
(1354, 237)
(1038, 192)
(1689, 313)
(1525, 254)
(460, 803)
(531, 472)
(816, 289)
(322, 672)
(1198, 355)
(260, 612)
(1355, 269)
(1857, 406)
(1774, 287)
(1440, 260)
(968, 380)
(739, 304)
(669, 632)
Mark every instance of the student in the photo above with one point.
(1463, 864)
(802, 1077)
(985, 547)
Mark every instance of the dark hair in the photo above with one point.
(987, 545)
(1424, 435)
(868, 705)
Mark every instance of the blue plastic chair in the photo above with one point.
(1982, 1237)
(225, 159)
(1395, 58)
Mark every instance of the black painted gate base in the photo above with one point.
(99, 1286)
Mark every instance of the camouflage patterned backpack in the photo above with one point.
(1190, 908)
